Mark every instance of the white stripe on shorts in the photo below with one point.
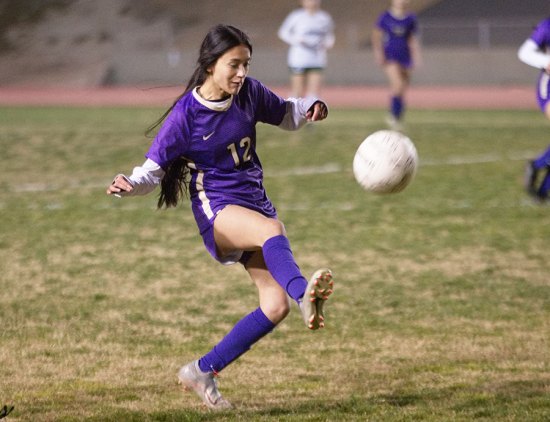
(202, 195)
(543, 86)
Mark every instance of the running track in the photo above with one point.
(438, 97)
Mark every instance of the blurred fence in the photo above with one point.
(481, 33)
(456, 52)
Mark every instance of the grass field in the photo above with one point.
(441, 310)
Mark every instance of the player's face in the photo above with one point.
(229, 72)
(311, 4)
(400, 4)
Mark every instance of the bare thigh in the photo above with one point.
(398, 78)
(238, 228)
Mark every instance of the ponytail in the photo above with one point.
(175, 184)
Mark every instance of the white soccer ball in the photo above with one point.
(385, 162)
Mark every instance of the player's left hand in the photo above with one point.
(318, 111)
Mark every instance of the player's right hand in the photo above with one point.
(120, 184)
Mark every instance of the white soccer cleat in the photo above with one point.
(204, 384)
(394, 124)
(318, 290)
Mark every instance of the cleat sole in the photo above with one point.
(320, 287)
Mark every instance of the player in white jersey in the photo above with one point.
(309, 31)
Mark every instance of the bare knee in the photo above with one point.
(272, 228)
(274, 300)
(274, 303)
(276, 310)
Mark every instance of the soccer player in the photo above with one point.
(396, 48)
(206, 146)
(310, 33)
(535, 51)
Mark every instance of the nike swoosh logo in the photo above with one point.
(207, 137)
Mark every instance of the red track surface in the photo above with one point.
(485, 97)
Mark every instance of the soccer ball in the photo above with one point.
(385, 162)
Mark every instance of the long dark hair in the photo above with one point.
(217, 42)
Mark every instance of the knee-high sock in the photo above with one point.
(397, 106)
(542, 160)
(282, 266)
(244, 334)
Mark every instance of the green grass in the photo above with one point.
(442, 304)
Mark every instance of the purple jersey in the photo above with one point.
(541, 35)
(218, 140)
(397, 33)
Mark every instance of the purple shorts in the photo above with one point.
(206, 228)
(403, 57)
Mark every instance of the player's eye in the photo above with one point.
(237, 65)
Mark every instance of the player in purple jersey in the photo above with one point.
(535, 51)
(206, 146)
(396, 49)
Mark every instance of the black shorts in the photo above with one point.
(305, 70)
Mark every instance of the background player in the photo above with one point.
(206, 146)
(310, 33)
(396, 49)
(534, 52)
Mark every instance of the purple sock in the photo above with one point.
(543, 160)
(545, 186)
(282, 266)
(397, 107)
(244, 334)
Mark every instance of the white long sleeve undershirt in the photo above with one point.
(531, 54)
(144, 178)
(296, 110)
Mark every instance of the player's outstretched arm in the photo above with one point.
(119, 185)
(531, 54)
(301, 110)
(144, 179)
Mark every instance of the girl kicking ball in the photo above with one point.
(206, 146)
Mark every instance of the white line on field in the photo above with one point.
(327, 168)
(479, 159)
(306, 171)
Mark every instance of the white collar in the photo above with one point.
(213, 105)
